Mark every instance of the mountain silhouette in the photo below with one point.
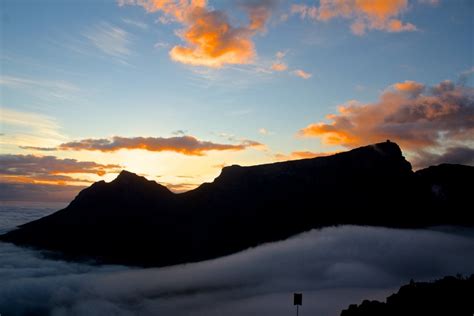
(132, 220)
(451, 296)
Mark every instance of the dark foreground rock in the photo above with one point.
(451, 296)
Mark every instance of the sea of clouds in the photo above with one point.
(12, 215)
(332, 267)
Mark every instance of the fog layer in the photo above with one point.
(333, 267)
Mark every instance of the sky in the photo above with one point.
(176, 90)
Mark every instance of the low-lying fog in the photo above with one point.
(332, 267)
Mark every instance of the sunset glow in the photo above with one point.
(176, 90)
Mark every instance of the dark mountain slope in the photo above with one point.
(135, 221)
(452, 190)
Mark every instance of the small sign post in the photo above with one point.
(298, 301)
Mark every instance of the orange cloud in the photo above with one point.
(366, 14)
(210, 39)
(444, 116)
(279, 66)
(187, 145)
(411, 87)
(302, 74)
(48, 169)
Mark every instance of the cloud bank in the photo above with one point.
(22, 193)
(187, 145)
(456, 155)
(425, 121)
(209, 37)
(48, 169)
(333, 267)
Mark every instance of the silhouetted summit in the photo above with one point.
(127, 177)
(136, 221)
(127, 190)
(451, 296)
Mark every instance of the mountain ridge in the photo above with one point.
(137, 221)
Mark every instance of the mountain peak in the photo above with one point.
(128, 177)
(133, 181)
(389, 148)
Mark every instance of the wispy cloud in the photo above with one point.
(264, 131)
(110, 40)
(38, 148)
(279, 66)
(29, 129)
(302, 74)
(465, 75)
(135, 23)
(45, 88)
(160, 45)
(430, 2)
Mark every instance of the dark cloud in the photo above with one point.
(39, 148)
(333, 267)
(179, 132)
(30, 168)
(187, 145)
(453, 155)
(21, 192)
